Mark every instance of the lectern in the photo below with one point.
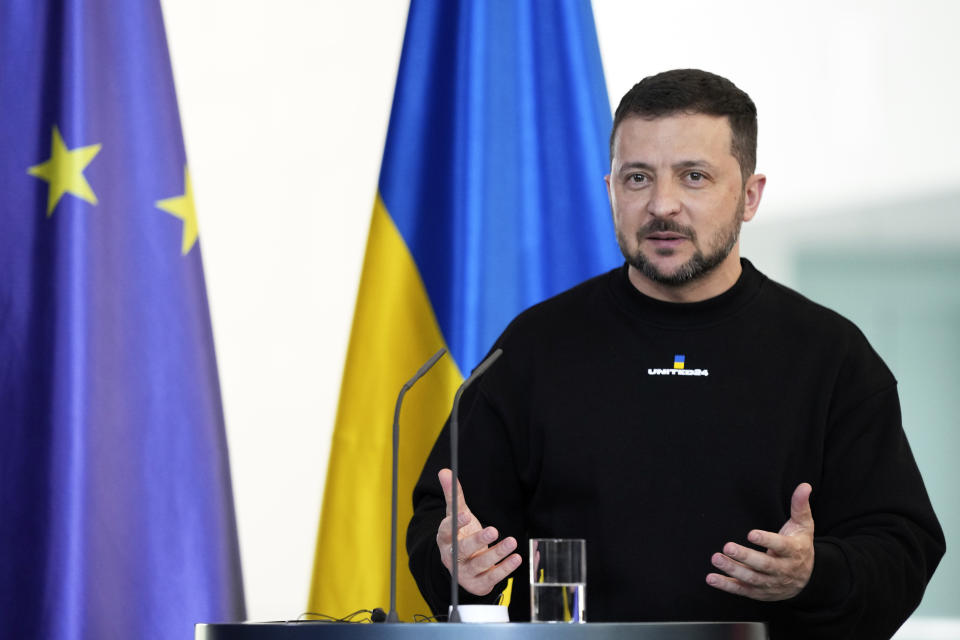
(505, 631)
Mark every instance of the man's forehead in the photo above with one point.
(684, 132)
(697, 124)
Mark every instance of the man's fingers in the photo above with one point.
(783, 570)
(482, 566)
(444, 537)
(731, 585)
(446, 483)
(467, 545)
(484, 583)
(756, 560)
(735, 569)
(800, 511)
(474, 543)
(777, 574)
(484, 561)
(779, 544)
(501, 571)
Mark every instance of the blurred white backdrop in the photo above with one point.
(285, 107)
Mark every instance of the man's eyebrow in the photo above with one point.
(684, 164)
(631, 166)
(689, 164)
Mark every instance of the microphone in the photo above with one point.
(392, 616)
(454, 511)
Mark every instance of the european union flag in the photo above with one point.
(116, 512)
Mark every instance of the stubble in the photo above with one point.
(700, 263)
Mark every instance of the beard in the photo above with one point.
(699, 264)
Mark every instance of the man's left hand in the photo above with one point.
(780, 573)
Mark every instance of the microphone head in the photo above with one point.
(378, 615)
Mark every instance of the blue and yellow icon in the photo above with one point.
(678, 361)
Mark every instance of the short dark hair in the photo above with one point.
(694, 91)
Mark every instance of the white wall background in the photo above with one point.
(285, 107)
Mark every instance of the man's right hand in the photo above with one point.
(481, 566)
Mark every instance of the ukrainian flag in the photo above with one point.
(678, 361)
(491, 198)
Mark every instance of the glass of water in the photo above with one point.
(558, 580)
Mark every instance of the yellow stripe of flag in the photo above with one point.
(394, 333)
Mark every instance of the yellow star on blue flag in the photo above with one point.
(182, 207)
(64, 171)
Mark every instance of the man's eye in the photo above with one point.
(638, 178)
(695, 176)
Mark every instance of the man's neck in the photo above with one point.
(709, 285)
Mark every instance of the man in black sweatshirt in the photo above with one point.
(728, 449)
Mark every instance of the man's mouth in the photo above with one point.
(666, 235)
(666, 240)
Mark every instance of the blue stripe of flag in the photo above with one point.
(495, 156)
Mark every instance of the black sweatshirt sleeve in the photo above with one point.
(491, 487)
(429, 508)
(877, 540)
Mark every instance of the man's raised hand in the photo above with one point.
(481, 566)
(780, 573)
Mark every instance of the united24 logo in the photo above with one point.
(679, 369)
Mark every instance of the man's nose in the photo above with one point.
(664, 199)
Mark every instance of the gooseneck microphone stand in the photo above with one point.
(392, 615)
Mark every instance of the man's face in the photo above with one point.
(678, 197)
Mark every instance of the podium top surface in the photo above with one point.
(314, 630)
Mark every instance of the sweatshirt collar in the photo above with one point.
(687, 314)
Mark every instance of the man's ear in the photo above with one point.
(752, 193)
